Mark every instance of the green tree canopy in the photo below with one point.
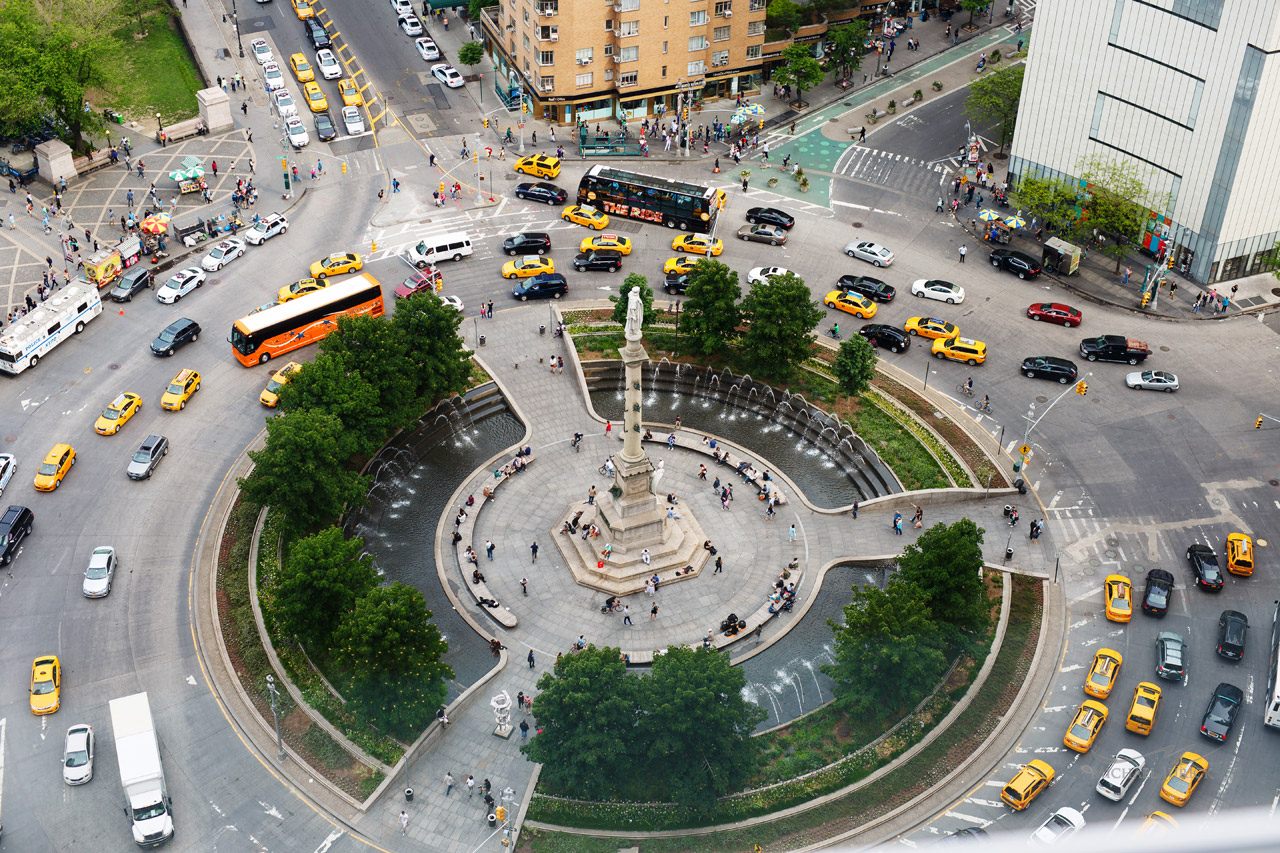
(376, 349)
(329, 384)
(944, 564)
(318, 583)
(429, 329)
(709, 317)
(973, 7)
(888, 653)
(474, 7)
(994, 98)
(847, 46)
(646, 298)
(855, 365)
(1117, 205)
(301, 471)
(799, 69)
(1054, 202)
(394, 657)
(781, 316)
(471, 53)
(784, 14)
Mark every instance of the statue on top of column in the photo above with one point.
(635, 314)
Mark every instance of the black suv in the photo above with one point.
(1020, 263)
(1232, 628)
(527, 243)
(176, 335)
(676, 283)
(1155, 600)
(133, 280)
(1221, 713)
(543, 192)
(890, 337)
(15, 525)
(1060, 370)
(547, 285)
(872, 288)
(317, 33)
(1204, 565)
(609, 260)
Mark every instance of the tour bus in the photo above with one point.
(65, 313)
(663, 201)
(1271, 712)
(281, 329)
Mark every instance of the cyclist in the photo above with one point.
(577, 439)
(986, 402)
(835, 330)
(968, 387)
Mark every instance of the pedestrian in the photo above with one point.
(744, 184)
(12, 224)
(404, 815)
(524, 730)
(855, 509)
(719, 566)
(608, 428)
(653, 612)
(448, 784)
(649, 588)
(488, 548)
(244, 105)
(591, 494)
(671, 441)
(1124, 277)
(313, 174)
(531, 663)
(214, 166)
(470, 783)
(320, 168)
(395, 185)
(251, 165)
(791, 533)
(1173, 289)
(645, 557)
(702, 469)
(917, 521)
(964, 250)
(533, 551)
(897, 523)
(524, 586)
(626, 615)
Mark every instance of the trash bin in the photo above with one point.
(482, 340)
(1008, 554)
(493, 820)
(408, 795)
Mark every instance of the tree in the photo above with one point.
(710, 316)
(994, 98)
(695, 725)
(587, 709)
(781, 316)
(1054, 202)
(944, 563)
(799, 69)
(474, 7)
(888, 652)
(1117, 205)
(973, 7)
(394, 658)
(429, 329)
(329, 384)
(847, 45)
(783, 14)
(471, 53)
(855, 365)
(377, 350)
(301, 471)
(646, 299)
(319, 581)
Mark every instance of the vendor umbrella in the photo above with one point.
(752, 109)
(188, 174)
(988, 215)
(156, 223)
(1016, 221)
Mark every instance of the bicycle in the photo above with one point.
(606, 469)
(984, 406)
(576, 443)
(964, 390)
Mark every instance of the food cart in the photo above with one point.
(104, 267)
(997, 232)
(1061, 256)
(190, 177)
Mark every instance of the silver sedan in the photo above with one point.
(1152, 380)
(771, 234)
(872, 253)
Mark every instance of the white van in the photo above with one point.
(440, 247)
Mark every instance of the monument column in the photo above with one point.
(634, 358)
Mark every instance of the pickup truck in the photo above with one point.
(1114, 348)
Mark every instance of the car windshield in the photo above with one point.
(149, 812)
(175, 388)
(48, 468)
(1099, 676)
(111, 414)
(273, 386)
(77, 758)
(1080, 731)
(96, 572)
(41, 688)
(142, 456)
(167, 336)
(1158, 595)
(1178, 784)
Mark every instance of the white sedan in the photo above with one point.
(330, 68)
(453, 302)
(77, 755)
(296, 131)
(426, 48)
(180, 284)
(759, 275)
(872, 253)
(1152, 380)
(410, 24)
(402, 7)
(223, 253)
(936, 288)
(273, 76)
(261, 51)
(1061, 824)
(352, 120)
(8, 463)
(448, 75)
(285, 104)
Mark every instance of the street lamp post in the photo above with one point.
(235, 19)
(159, 125)
(275, 712)
(476, 157)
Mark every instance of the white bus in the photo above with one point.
(1271, 713)
(62, 315)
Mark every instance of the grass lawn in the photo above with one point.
(155, 74)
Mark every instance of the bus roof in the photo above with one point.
(296, 307)
(37, 321)
(610, 174)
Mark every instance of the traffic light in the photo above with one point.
(1082, 387)
(1258, 423)
(685, 114)
(524, 106)
(1170, 262)
(284, 163)
(500, 813)
(1146, 297)
(486, 124)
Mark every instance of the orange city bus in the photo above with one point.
(281, 329)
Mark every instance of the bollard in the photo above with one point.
(408, 795)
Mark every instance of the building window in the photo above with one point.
(608, 25)
(629, 54)
(664, 47)
(608, 50)
(526, 16)
(546, 57)
(630, 78)
(549, 9)
(629, 5)
(754, 51)
(698, 19)
(525, 40)
(664, 72)
(698, 43)
(584, 55)
(755, 28)
(551, 33)
(546, 84)
(724, 8)
(720, 57)
(608, 74)
(526, 67)
(666, 22)
(699, 67)
(629, 28)
(582, 79)
(757, 5)
(721, 33)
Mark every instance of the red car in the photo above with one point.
(427, 280)
(1055, 312)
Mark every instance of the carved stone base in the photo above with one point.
(504, 731)
(673, 545)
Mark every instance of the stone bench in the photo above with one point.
(182, 130)
(692, 440)
(88, 165)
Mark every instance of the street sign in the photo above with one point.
(1024, 450)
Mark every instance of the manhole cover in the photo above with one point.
(113, 366)
(1164, 349)
(1274, 482)
(857, 225)
(1112, 542)
(1111, 554)
(1262, 543)
(1042, 399)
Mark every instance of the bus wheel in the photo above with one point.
(684, 226)
(670, 223)
(79, 327)
(35, 359)
(264, 358)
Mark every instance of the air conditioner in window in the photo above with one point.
(617, 8)
(546, 88)
(617, 58)
(554, 37)
(583, 61)
(728, 13)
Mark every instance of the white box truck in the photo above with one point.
(138, 753)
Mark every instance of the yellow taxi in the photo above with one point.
(698, 244)
(585, 214)
(1142, 710)
(270, 396)
(956, 348)
(1084, 729)
(304, 9)
(850, 303)
(1183, 779)
(930, 327)
(57, 463)
(1028, 783)
(336, 264)
(315, 97)
(621, 245)
(529, 265)
(1103, 674)
(117, 414)
(538, 165)
(301, 68)
(1239, 554)
(1117, 594)
(301, 287)
(679, 265)
(1158, 823)
(46, 685)
(175, 397)
(350, 92)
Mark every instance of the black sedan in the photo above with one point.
(1222, 710)
(889, 337)
(771, 216)
(325, 130)
(676, 283)
(1204, 565)
(1233, 627)
(547, 285)
(541, 191)
(872, 288)
(598, 259)
(527, 243)
(1019, 263)
(1060, 370)
(175, 336)
(1155, 600)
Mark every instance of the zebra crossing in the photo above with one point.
(885, 168)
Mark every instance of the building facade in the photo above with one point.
(589, 60)
(1186, 91)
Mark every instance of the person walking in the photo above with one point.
(524, 730)
(791, 533)
(488, 548)
(530, 658)
(653, 612)
(471, 785)
(964, 250)
(591, 494)
(649, 588)
(626, 615)
(404, 815)
(855, 509)
(448, 784)
(608, 428)
(1125, 276)
(533, 550)
(524, 586)
(897, 523)
(719, 566)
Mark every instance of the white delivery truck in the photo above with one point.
(138, 753)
